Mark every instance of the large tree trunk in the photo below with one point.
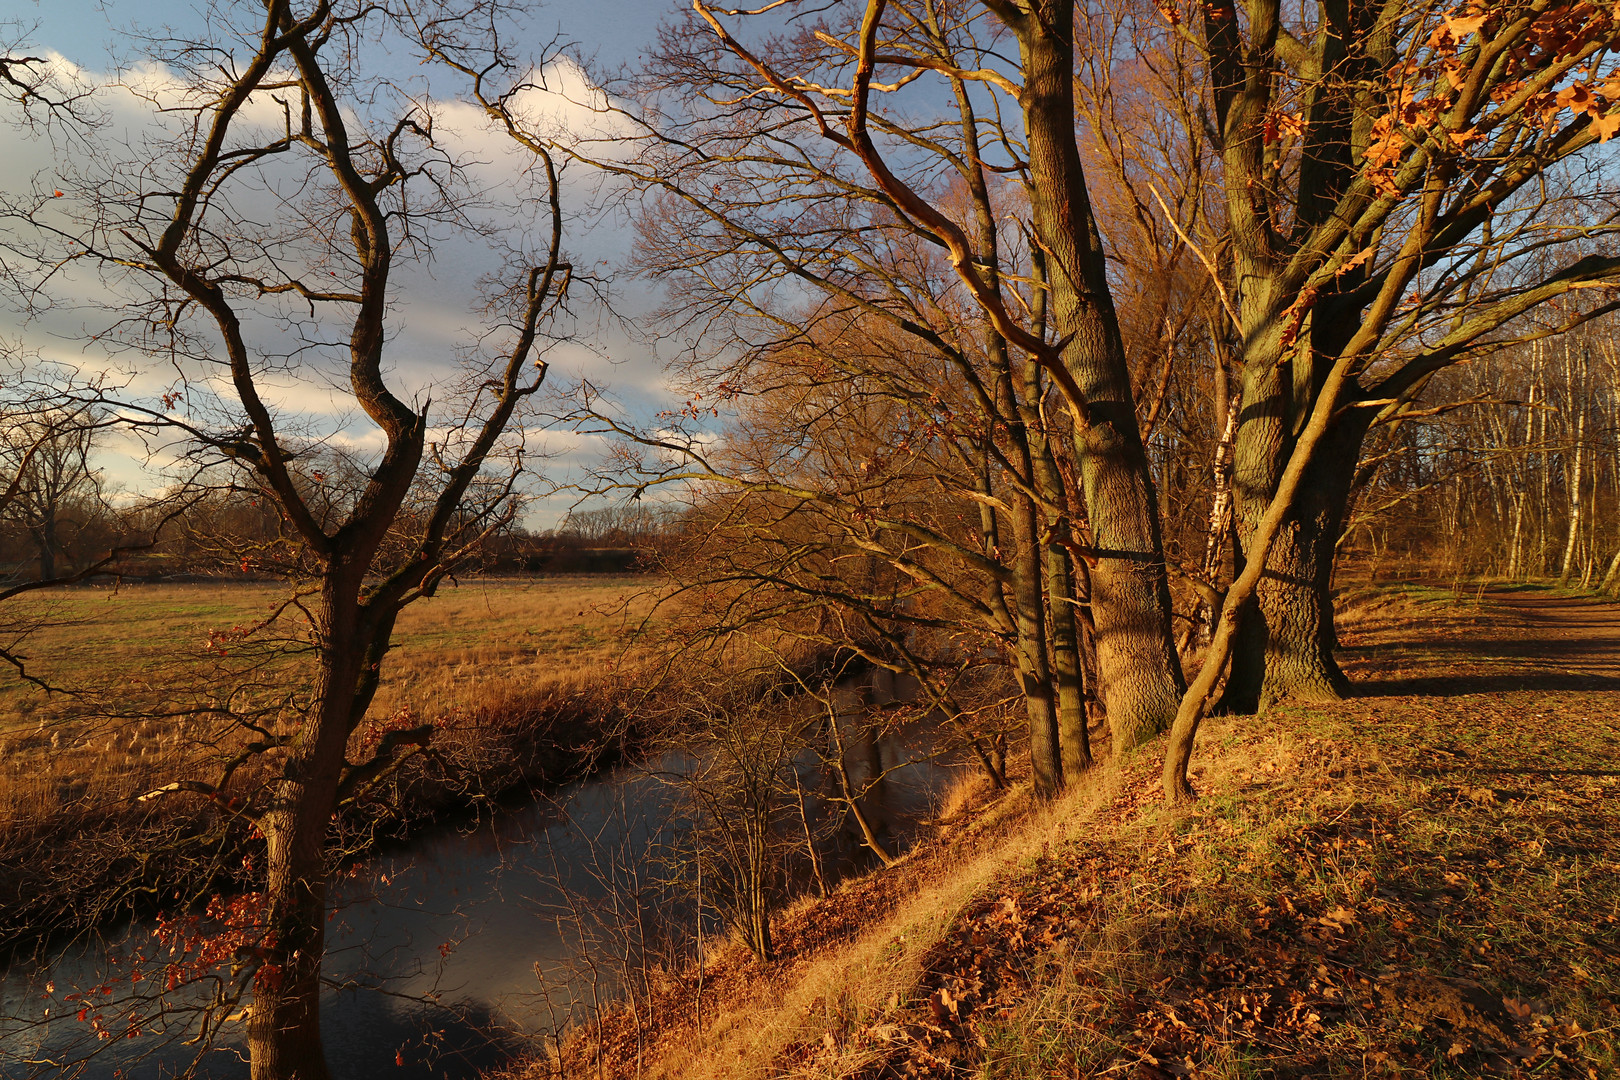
(1043, 624)
(1284, 648)
(284, 1029)
(1141, 676)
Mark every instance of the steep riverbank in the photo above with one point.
(115, 859)
(1419, 881)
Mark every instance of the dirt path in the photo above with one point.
(1575, 635)
(1525, 638)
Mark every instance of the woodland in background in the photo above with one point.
(1518, 481)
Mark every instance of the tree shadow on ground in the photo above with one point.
(1461, 685)
(1536, 643)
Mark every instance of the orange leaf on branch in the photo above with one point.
(1576, 98)
(1296, 314)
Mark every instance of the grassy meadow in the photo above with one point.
(133, 648)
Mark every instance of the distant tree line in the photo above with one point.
(54, 517)
(60, 518)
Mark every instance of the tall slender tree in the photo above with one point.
(789, 133)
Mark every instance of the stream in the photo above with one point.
(455, 950)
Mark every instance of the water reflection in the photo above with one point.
(445, 955)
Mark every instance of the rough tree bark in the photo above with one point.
(1284, 650)
(1140, 673)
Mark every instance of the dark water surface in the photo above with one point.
(449, 954)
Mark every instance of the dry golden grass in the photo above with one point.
(481, 633)
(848, 960)
(861, 985)
(473, 646)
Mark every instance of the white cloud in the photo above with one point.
(436, 313)
(558, 103)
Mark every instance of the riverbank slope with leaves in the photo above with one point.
(1420, 881)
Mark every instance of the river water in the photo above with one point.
(450, 953)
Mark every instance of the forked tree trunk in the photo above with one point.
(1028, 589)
(1029, 655)
(1283, 648)
(1049, 663)
(1079, 547)
(757, 900)
(1178, 754)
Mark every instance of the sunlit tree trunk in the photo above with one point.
(1284, 648)
(1034, 667)
(1060, 609)
(1575, 456)
(1140, 673)
(284, 1036)
(1068, 667)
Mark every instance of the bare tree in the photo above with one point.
(51, 487)
(1412, 212)
(768, 137)
(265, 241)
(45, 94)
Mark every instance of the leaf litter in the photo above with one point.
(1403, 885)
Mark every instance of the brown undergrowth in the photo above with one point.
(1396, 885)
(101, 852)
(527, 683)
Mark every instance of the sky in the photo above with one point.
(438, 304)
(611, 32)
